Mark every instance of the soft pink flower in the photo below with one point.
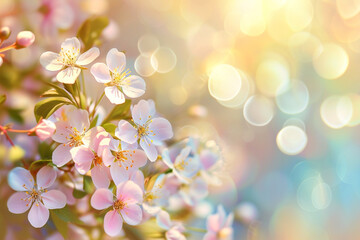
(69, 61)
(151, 131)
(117, 81)
(24, 39)
(219, 226)
(34, 195)
(124, 206)
(123, 159)
(70, 134)
(92, 155)
(45, 129)
(174, 229)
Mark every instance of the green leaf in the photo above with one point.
(2, 98)
(119, 112)
(79, 194)
(60, 225)
(35, 166)
(94, 121)
(61, 92)
(90, 31)
(88, 184)
(110, 128)
(45, 150)
(67, 215)
(15, 114)
(48, 106)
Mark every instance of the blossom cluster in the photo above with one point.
(137, 168)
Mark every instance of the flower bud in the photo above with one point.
(24, 39)
(5, 33)
(44, 129)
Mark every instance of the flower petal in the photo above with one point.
(114, 95)
(149, 148)
(62, 132)
(17, 203)
(102, 198)
(68, 75)
(100, 176)
(38, 215)
(54, 199)
(78, 119)
(116, 60)
(71, 45)
(141, 112)
(61, 155)
(83, 158)
(50, 61)
(135, 87)
(101, 72)
(163, 220)
(112, 223)
(126, 132)
(132, 214)
(161, 129)
(129, 192)
(45, 177)
(88, 56)
(138, 178)
(20, 179)
(118, 174)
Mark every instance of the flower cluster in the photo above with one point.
(113, 152)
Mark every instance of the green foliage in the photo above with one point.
(110, 128)
(60, 225)
(61, 218)
(79, 194)
(88, 184)
(2, 98)
(48, 106)
(121, 111)
(35, 166)
(15, 114)
(94, 121)
(45, 150)
(90, 31)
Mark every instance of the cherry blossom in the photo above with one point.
(24, 39)
(117, 80)
(174, 229)
(219, 226)
(124, 206)
(69, 134)
(151, 131)
(123, 159)
(97, 142)
(34, 195)
(44, 129)
(69, 60)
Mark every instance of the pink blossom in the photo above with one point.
(34, 195)
(70, 134)
(174, 229)
(97, 141)
(124, 206)
(219, 226)
(24, 39)
(151, 131)
(123, 159)
(45, 129)
(117, 81)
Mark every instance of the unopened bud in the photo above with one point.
(5, 33)
(44, 129)
(24, 39)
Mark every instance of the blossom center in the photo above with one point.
(123, 159)
(33, 195)
(68, 57)
(97, 160)
(142, 131)
(119, 78)
(119, 205)
(75, 138)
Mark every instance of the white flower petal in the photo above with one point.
(88, 56)
(101, 72)
(50, 61)
(72, 45)
(114, 95)
(68, 75)
(135, 88)
(116, 60)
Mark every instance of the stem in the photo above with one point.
(194, 229)
(83, 83)
(8, 48)
(17, 130)
(79, 92)
(97, 103)
(6, 135)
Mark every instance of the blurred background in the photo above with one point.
(274, 82)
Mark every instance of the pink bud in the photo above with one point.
(45, 129)
(24, 39)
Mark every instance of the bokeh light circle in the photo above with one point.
(272, 77)
(148, 44)
(295, 99)
(224, 82)
(336, 111)
(321, 195)
(331, 62)
(291, 140)
(258, 110)
(143, 66)
(163, 60)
